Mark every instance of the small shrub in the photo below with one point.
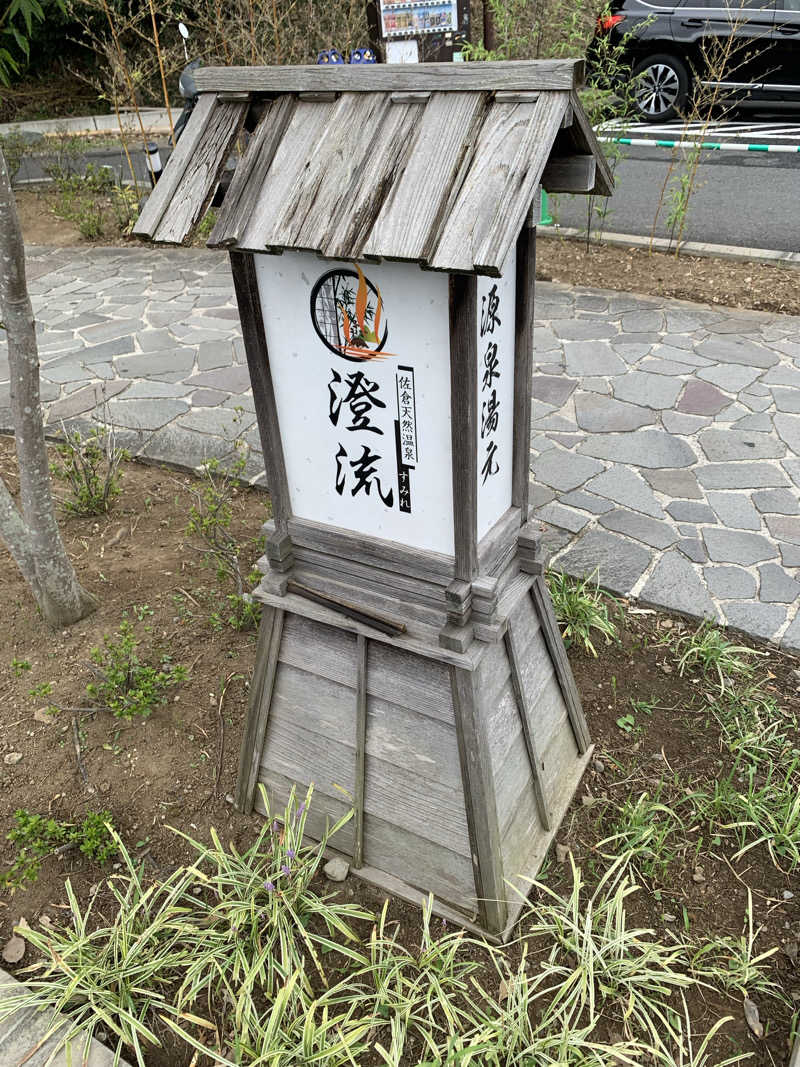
(13, 147)
(91, 467)
(580, 609)
(127, 686)
(38, 837)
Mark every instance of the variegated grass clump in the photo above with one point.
(239, 958)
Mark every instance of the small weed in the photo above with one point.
(709, 651)
(732, 964)
(19, 666)
(127, 686)
(39, 692)
(580, 609)
(646, 830)
(210, 520)
(91, 468)
(37, 837)
(205, 226)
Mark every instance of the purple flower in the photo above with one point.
(301, 809)
(290, 853)
(275, 826)
(285, 870)
(269, 886)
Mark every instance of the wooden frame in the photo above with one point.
(558, 74)
(463, 422)
(523, 368)
(245, 283)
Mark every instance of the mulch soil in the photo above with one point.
(178, 767)
(703, 279)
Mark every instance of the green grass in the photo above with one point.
(581, 610)
(709, 651)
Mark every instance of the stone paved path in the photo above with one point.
(665, 445)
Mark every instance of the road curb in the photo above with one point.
(689, 248)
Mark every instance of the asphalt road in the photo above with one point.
(740, 198)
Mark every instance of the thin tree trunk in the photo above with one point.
(32, 536)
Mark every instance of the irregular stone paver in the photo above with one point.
(21, 1039)
(676, 584)
(665, 446)
(777, 586)
(731, 546)
(700, 398)
(730, 583)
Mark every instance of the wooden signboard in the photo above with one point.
(409, 663)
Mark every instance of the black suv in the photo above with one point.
(671, 47)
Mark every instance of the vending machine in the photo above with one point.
(419, 31)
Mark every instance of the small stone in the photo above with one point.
(336, 869)
(668, 917)
(11, 758)
(229, 798)
(587, 800)
(562, 853)
(788, 894)
(44, 716)
(698, 875)
(599, 766)
(14, 949)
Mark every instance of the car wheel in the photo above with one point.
(661, 88)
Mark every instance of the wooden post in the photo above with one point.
(361, 750)
(523, 367)
(267, 649)
(245, 283)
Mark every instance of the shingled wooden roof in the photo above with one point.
(434, 163)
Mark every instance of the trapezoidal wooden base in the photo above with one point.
(460, 766)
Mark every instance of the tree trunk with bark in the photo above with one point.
(30, 531)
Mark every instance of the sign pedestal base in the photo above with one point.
(459, 765)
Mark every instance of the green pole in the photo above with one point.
(545, 218)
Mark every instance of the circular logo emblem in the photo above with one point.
(348, 315)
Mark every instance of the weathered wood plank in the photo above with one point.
(201, 172)
(306, 129)
(562, 74)
(351, 225)
(245, 283)
(523, 368)
(422, 642)
(510, 154)
(361, 750)
(320, 190)
(245, 188)
(555, 644)
(499, 542)
(525, 712)
(481, 805)
(299, 744)
(570, 174)
(267, 649)
(408, 224)
(161, 197)
(585, 139)
(431, 566)
(463, 422)
(410, 681)
(423, 746)
(398, 852)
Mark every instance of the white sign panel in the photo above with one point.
(495, 422)
(360, 362)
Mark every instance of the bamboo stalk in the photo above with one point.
(129, 80)
(161, 69)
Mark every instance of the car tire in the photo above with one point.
(661, 89)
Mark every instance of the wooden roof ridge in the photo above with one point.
(438, 172)
(521, 74)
